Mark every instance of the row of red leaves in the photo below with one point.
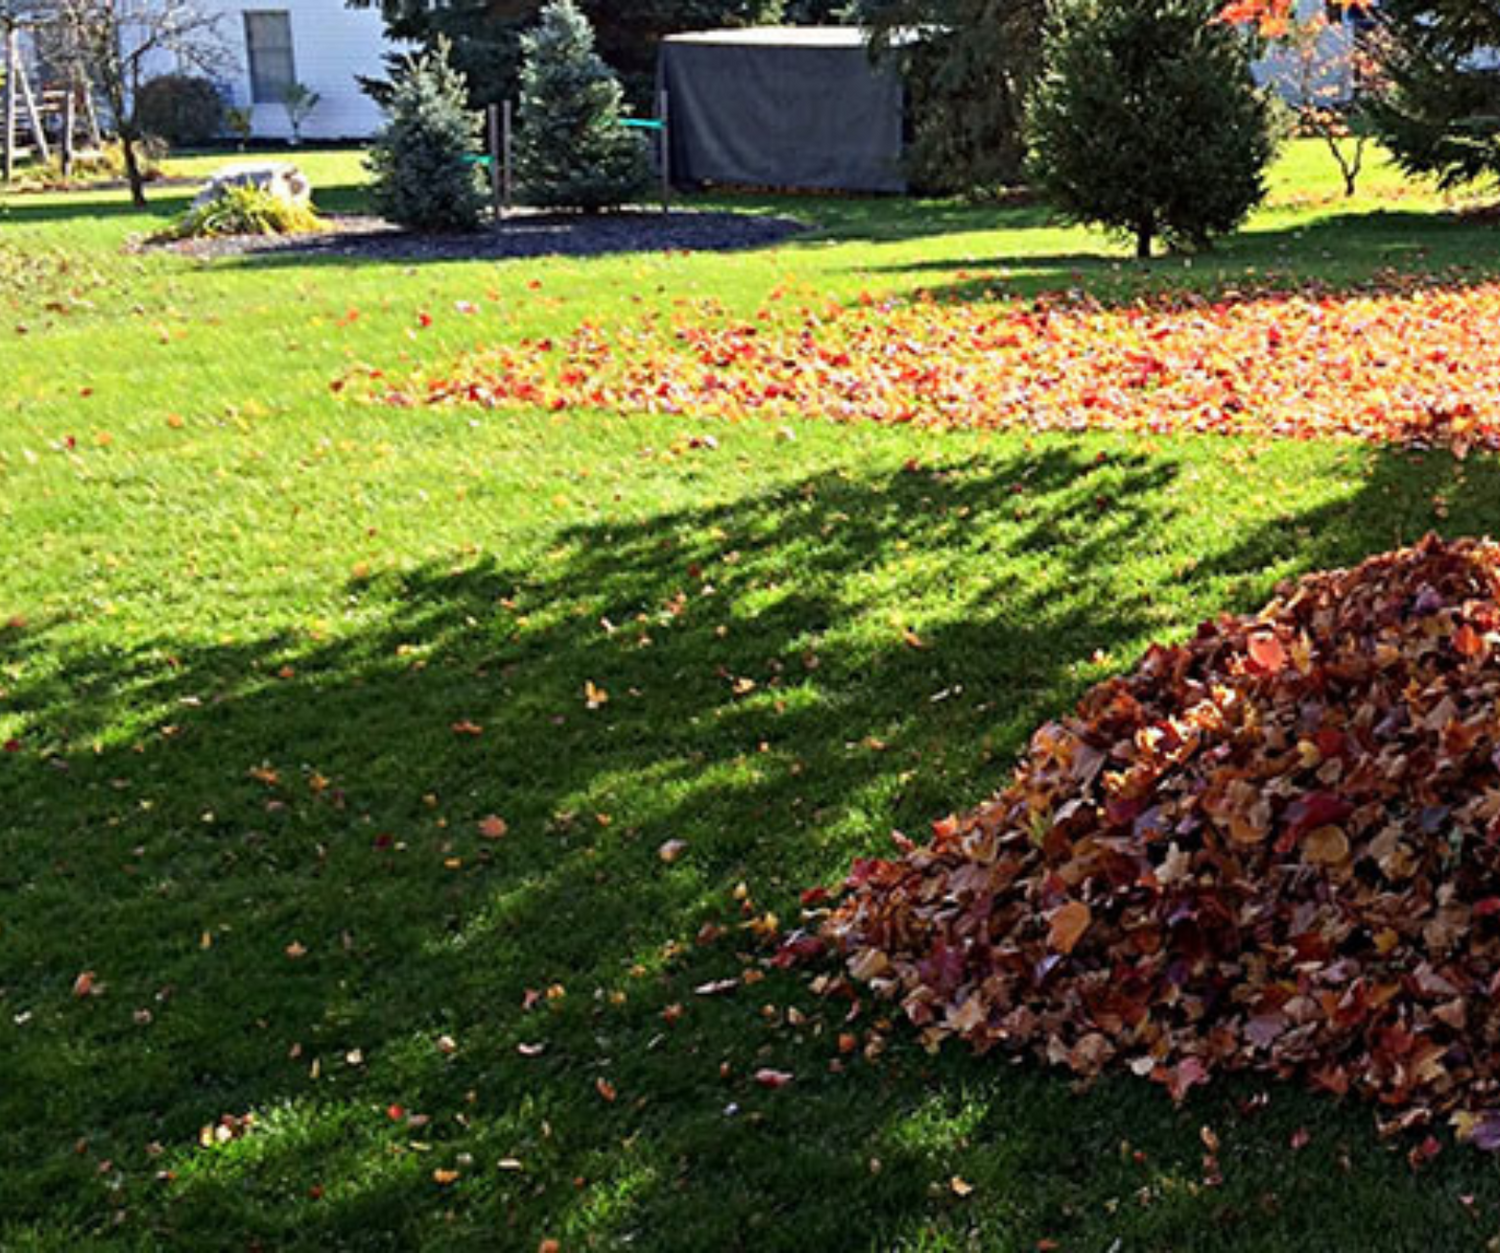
(1414, 364)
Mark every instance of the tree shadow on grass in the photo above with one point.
(270, 855)
(1341, 250)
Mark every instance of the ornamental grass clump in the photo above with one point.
(1274, 847)
(245, 210)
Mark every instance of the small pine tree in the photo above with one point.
(422, 170)
(571, 148)
(1146, 120)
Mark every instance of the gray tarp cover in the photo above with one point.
(782, 107)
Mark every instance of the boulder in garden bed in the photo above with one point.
(281, 179)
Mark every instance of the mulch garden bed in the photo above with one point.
(522, 234)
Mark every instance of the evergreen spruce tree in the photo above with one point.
(422, 167)
(571, 148)
(1146, 120)
(967, 74)
(1438, 105)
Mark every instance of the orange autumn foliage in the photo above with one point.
(1410, 365)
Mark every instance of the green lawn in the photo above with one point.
(270, 657)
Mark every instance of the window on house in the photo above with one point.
(268, 39)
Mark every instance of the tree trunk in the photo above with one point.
(1143, 237)
(133, 170)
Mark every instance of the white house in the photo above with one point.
(320, 44)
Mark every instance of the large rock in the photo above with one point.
(280, 178)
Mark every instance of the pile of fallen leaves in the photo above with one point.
(1273, 848)
(1410, 364)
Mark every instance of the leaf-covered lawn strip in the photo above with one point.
(1411, 362)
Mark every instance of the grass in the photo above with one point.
(271, 658)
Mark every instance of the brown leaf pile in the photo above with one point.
(1275, 847)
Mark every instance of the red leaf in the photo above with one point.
(1266, 652)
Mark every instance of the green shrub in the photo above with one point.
(572, 149)
(185, 111)
(245, 211)
(240, 123)
(422, 165)
(1146, 120)
(967, 66)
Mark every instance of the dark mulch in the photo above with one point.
(522, 234)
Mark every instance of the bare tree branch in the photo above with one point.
(115, 45)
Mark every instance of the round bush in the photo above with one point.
(1146, 120)
(185, 111)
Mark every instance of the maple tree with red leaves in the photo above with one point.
(1274, 848)
(1275, 19)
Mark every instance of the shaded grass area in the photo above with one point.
(186, 809)
(270, 660)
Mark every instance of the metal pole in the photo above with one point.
(508, 144)
(12, 59)
(493, 114)
(663, 115)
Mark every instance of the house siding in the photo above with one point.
(331, 46)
